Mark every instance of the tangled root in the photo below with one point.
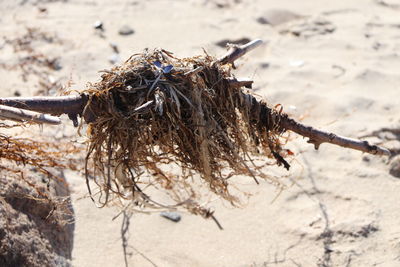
(166, 123)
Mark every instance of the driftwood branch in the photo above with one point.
(54, 105)
(17, 114)
(317, 137)
(74, 105)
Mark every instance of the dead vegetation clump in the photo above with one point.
(162, 122)
(161, 128)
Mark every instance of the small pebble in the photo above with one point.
(42, 9)
(170, 215)
(366, 158)
(114, 47)
(394, 168)
(114, 58)
(126, 30)
(98, 25)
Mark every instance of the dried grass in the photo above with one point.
(37, 164)
(166, 123)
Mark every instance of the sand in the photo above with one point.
(332, 64)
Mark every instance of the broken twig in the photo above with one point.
(74, 105)
(17, 114)
(54, 105)
(317, 137)
(236, 51)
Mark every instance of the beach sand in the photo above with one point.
(332, 64)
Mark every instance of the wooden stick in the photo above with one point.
(55, 105)
(234, 82)
(236, 52)
(317, 137)
(73, 105)
(17, 114)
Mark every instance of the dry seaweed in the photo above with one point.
(26, 160)
(32, 62)
(162, 122)
(163, 128)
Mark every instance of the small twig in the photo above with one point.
(17, 114)
(237, 51)
(196, 70)
(234, 82)
(125, 235)
(317, 137)
(145, 107)
(75, 104)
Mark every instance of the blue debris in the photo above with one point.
(157, 64)
(164, 69)
(168, 68)
(170, 215)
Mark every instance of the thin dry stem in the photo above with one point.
(21, 115)
(317, 137)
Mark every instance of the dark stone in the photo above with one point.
(126, 30)
(394, 168)
(173, 216)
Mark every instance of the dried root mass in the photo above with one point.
(166, 123)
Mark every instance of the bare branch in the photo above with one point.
(74, 105)
(317, 137)
(237, 51)
(235, 83)
(55, 105)
(17, 114)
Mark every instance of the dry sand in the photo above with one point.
(337, 63)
